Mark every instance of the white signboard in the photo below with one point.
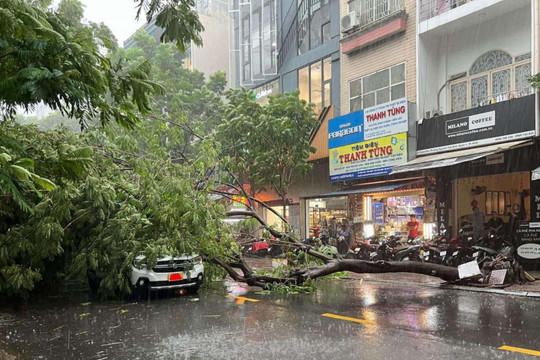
(468, 270)
(386, 119)
(529, 251)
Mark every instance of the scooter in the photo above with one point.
(363, 251)
(489, 248)
(412, 253)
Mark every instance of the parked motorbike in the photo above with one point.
(489, 248)
(363, 251)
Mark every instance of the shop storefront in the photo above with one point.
(364, 147)
(481, 157)
(387, 213)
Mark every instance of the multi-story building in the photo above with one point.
(376, 129)
(477, 107)
(212, 56)
(281, 46)
(284, 46)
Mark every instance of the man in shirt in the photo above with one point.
(495, 224)
(477, 219)
(412, 226)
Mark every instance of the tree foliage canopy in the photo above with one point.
(74, 204)
(268, 145)
(50, 56)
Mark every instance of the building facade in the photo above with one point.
(476, 135)
(212, 56)
(283, 46)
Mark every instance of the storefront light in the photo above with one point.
(368, 212)
(369, 229)
(429, 230)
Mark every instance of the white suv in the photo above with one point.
(185, 271)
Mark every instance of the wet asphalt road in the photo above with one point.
(395, 322)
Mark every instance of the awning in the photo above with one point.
(453, 157)
(372, 189)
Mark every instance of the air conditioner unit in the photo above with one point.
(433, 113)
(349, 21)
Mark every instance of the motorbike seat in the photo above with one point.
(398, 249)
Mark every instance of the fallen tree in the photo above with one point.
(332, 265)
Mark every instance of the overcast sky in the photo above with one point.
(118, 15)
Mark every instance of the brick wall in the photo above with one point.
(391, 51)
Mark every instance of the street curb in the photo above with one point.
(530, 294)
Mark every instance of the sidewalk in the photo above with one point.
(531, 289)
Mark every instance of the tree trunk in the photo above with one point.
(285, 227)
(446, 273)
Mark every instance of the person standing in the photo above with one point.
(345, 236)
(495, 224)
(477, 219)
(412, 226)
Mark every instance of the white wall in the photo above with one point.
(443, 56)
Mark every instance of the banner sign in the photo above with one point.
(528, 244)
(501, 122)
(368, 158)
(349, 134)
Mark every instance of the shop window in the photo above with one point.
(328, 211)
(315, 83)
(377, 88)
(493, 77)
(313, 24)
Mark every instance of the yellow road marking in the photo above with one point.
(361, 321)
(520, 350)
(241, 298)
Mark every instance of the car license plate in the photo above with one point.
(443, 253)
(476, 254)
(176, 277)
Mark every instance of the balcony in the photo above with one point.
(440, 17)
(372, 21)
(431, 8)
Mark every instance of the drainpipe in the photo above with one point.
(536, 58)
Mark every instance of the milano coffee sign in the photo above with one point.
(501, 122)
(470, 123)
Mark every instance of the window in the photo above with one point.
(494, 76)
(313, 24)
(315, 83)
(252, 41)
(377, 88)
(269, 37)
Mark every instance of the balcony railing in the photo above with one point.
(432, 8)
(373, 11)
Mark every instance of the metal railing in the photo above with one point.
(432, 8)
(500, 97)
(372, 11)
